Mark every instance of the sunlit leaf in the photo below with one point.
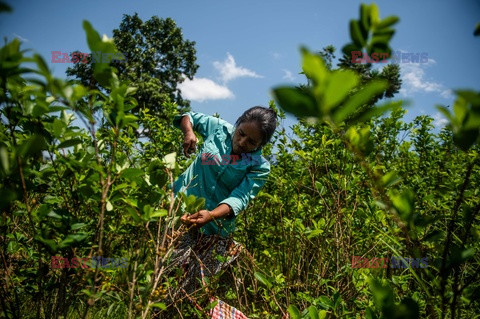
(339, 84)
(314, 67)
(170, 160)
(367, 93)
(313, 312)
(294, 312)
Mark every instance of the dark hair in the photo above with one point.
(264, 116)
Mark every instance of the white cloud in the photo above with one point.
(276, 55)
(439, 120)
(288, 75)
(447, 94)
(201, 89)
(20, 38)
(229, 70)
(414, 80)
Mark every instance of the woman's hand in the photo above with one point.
(200, 218)
(189, 143)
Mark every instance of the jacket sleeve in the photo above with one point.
(248, 188)
(203, 124)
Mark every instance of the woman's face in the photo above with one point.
(247, 138)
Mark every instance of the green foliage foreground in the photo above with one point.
(348, 183)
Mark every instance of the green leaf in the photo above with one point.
(313, 313)
(32, 146)
(77, 226)
(130, 120)
(349, 48)
(360, 138)
(157, 174)
(69, 143)
(387, 22)
(383, 39)
(356, 34)
(391, 178)
(434, 236)
(42, 65)
(93, 38)
(199, 204)
(325, 302)
(169, 160)
(263, 279)
(445, 112)
(58, 127)
(464, 139)
(382, 296)
(5, 7)
(6, 197)
(460, 255)
(132, 173)
(39, 110)
(365, 18)
(403, 203)
(190, 201)
(103, 73)
(355, 102)
(159, 213)
(472, 97)
(73, 239)
(408, 308)
(295, 101)
(294, 312)
(50, 244)
(4, 160)
(376, 111)
(314, 233)
(134, 214)
(379, 47)
(460, 109)
(339, 84)
(370, 314)
(314, 68)
(159, 305)
(374, 14)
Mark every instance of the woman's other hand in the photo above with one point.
(198, 219)
(189, 143)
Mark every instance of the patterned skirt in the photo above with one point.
(198, 258)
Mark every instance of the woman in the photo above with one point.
(227, 186)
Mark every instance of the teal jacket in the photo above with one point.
(233, 182)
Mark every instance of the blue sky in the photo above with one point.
(244, 48)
